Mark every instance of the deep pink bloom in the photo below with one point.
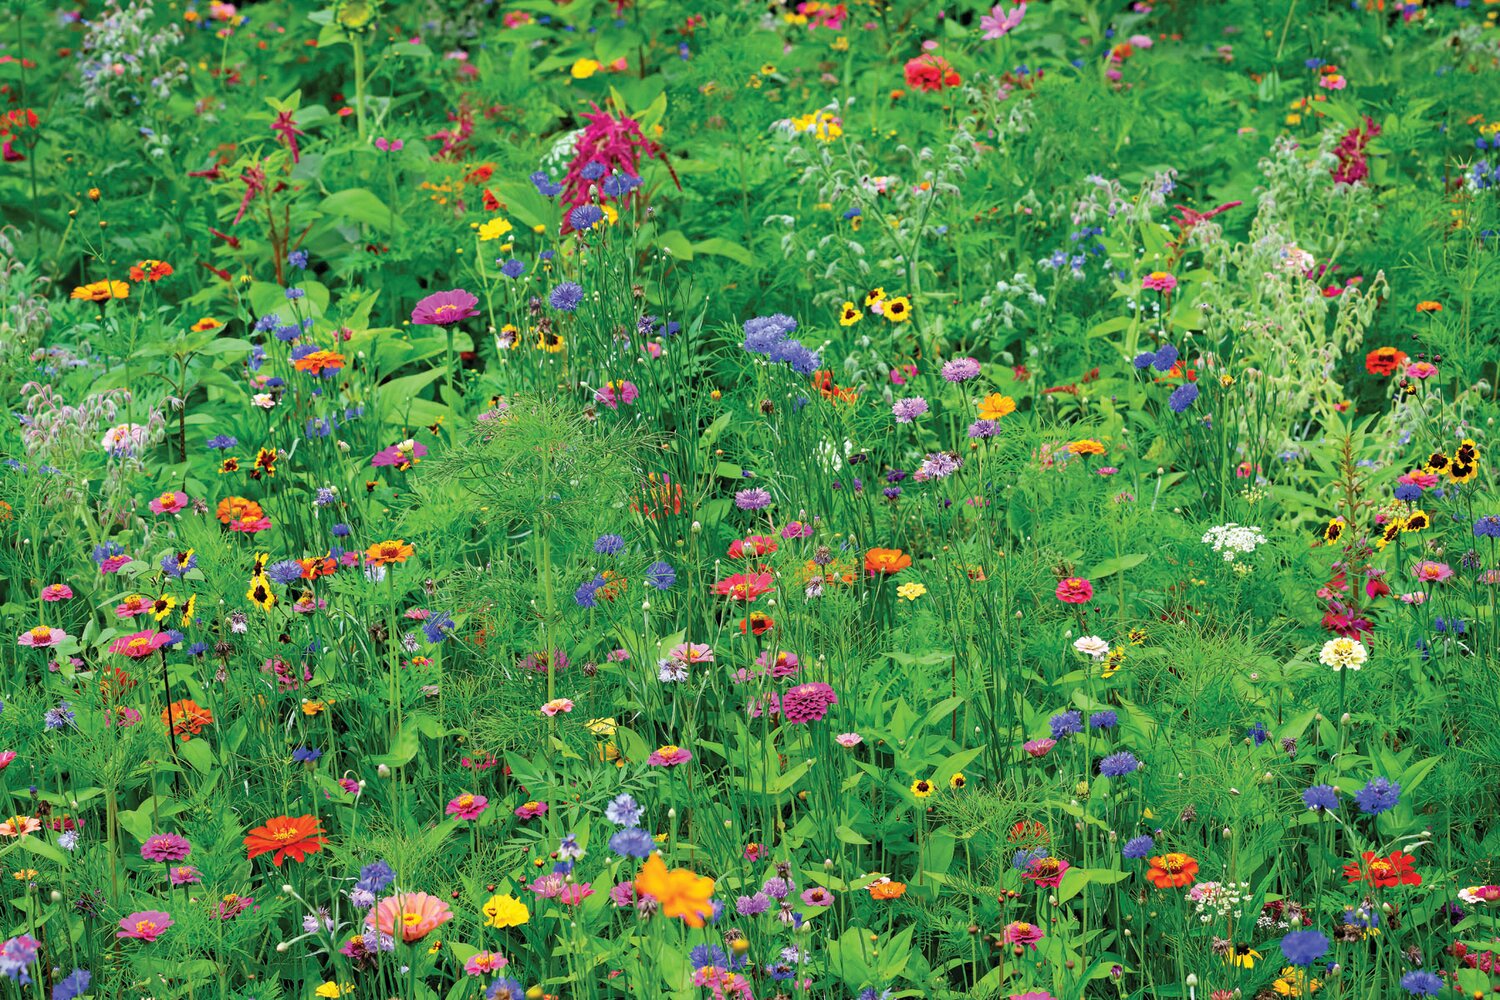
(616, 144)
(165, 847)
(1045, 872)
(468, 806)
(402, 455)
(56, 592)
(1075, 590)
(669, 756)
(807, 702)
(530, 810)
(140, 645)
(615, 393)
(169, 503)
(445, 308)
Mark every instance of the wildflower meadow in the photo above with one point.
(749, 500)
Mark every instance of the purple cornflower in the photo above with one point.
(754, 498)
(1137, 848)
(1324, 798)
(908, 409)
(961, 370)
(1118, 765)
(1380, 795)
(1182, 397)
(566, 296)
(1304, 947)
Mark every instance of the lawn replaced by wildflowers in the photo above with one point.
(751, 500)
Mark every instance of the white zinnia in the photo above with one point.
(1341, 653)
(1092, 646)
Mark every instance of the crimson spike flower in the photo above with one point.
(289, 132)
(233, 241)
(616, 144)
(255, 183)
(1188, 218)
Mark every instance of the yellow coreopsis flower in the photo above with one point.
(494, 229)
(584, 68)
(504, 911)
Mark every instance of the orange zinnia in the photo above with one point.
(886, 561)
(385, 553)
(317, 361)
(150, 270)
(1172, 869)
(887, 890)
(287, 836)
(102, 291)
(681, 893)
(186, 718)
(238, 509)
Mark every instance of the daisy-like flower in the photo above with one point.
(42, 637)
(1343, 653)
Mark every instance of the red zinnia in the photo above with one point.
(1075, 590)
(743, 586)
(1383, 871)
(1384, 361)
(286, 836)
(929, 72)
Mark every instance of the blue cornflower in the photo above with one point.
(375, 877)
(619, 185)
(708, 955)
(632, 842)
(1143, 360)
(585, 216)
(284, 572)
(437, 627)
(57, 718)
(660, 575)
(1324, 798)
(293, 294)
(1380, 795)
(1304, 947)
(340, 530)
(175, 566)
(1165, 358)
(1421, 983)
(1137, 848)
(1066, 723)
(608, 545)
(1118, 765)
(1182, 397)
(586, 596)
(566, 296)
(1258, 733)
(298, 259)
(197, 649)
(764, 332)
(513, 268)
(592, 171)
(306, 755)
(75, 984)
(506, 989)
(544, 185)
(222, 442)
(1487, 526)
(1106, 719)
(1023, 858)
(623, 810)
(1408, 492)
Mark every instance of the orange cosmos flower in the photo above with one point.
(886, 561)
(996, 406)
(681, 893)
(286, 836)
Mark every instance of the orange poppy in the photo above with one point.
(886, 561)
(1172, 869)
(386, 553)
(287, 836)
(186, 718)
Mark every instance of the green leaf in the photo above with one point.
(358, 205)
(1118, 564)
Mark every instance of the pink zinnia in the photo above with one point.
(1038, 748)
(1045, 872)
(140, 645)
(42, 637)
(797, 529)
(113, 564)
(445, 308)
(1075, 590)
(1421, 370)
(410, 916)
(165, 847)
(56, 592)
(1159, 281)
(184, 875)
(169, 503)
(145, 925)
(807, 702)
(1432, 572)
(848, 740)
(669, 756)
(557, 706)
(575, 893)
(468, 806)
(1020, 932)
(531, 810)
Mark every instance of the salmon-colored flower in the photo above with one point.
(412, 915)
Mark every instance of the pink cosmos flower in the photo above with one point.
(690, 653)
(617, 392)
(1038, 748)
(999, 22)
(445, 308)
(575, 892)
(56, 592)
(484, 962)
(1159, 281)
(42, 637)
(468, 806)
(169, 503)
(1075, 590)
(669, 756)
(145, 925)
(411, 915)
(400, 456)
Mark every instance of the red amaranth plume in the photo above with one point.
(1353, 167)
(617, 144)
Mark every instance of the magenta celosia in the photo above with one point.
(616, 144)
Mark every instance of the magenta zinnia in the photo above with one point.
(445, 308)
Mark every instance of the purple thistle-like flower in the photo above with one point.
(961, 370)
(566, 296)
(908, 409)
(754, 498)
(1182, 397)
